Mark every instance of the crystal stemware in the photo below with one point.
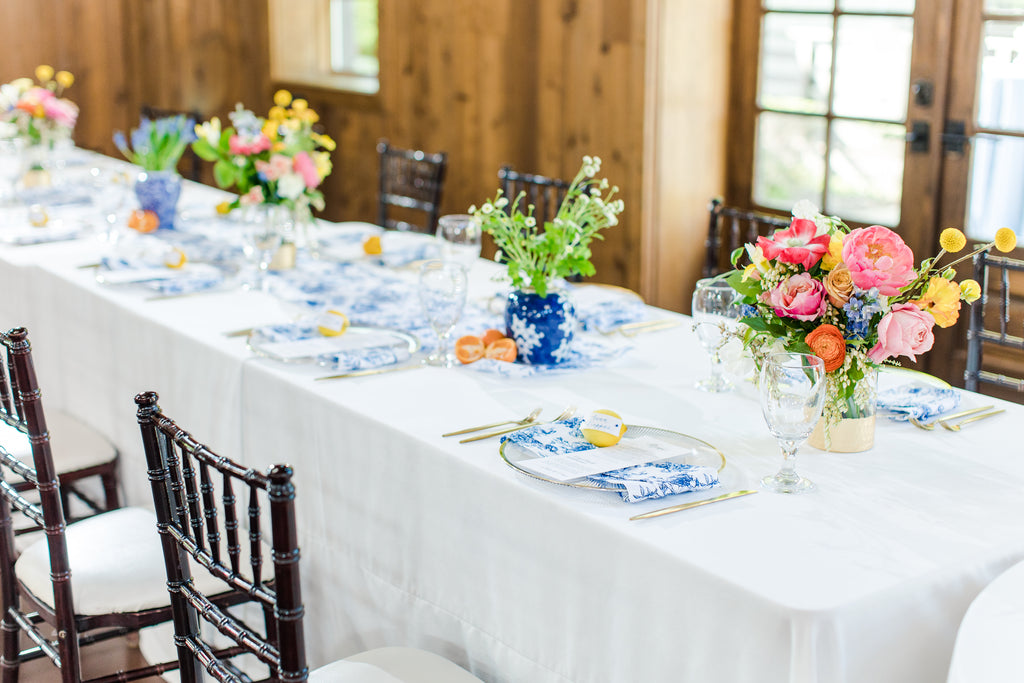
(459, 236)
(110, 195)
(10, 168)
(792, 387)
(715, 308)
(262, 239)
(442, 292)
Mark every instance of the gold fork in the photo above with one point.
(956, 427)
(929, 426)
(528, 420)
(565, 415)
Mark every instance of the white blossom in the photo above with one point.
(531, 222)
(501, 202)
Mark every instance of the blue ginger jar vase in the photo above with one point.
(158, 191)
(542, 327)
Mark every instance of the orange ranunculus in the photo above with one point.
(942, 299)
(827, 343)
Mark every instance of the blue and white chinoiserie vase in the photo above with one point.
(158, 191)
(542, 327)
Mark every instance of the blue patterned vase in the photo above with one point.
(158, 191)
(542, 327)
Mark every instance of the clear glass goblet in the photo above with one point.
(460, 238)
(442, 291)
(715, 309)
(262, 239)
(110, 194)
(10, 169)
(792, 387)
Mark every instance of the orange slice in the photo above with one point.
(143, 221)
(502, 349)
(469, 349)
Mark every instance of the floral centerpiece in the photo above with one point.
(38, 110)
(278, 159)
(852, 297)
(538, 316)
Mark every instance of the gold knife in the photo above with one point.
(687, 506)
(374, 371)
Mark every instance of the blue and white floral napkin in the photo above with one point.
(917, 401)
(146, 267)
(639, 482)
(344, 359)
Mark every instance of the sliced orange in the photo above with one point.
(143, 221)
(469, 349)
(502, 349)
(491, 336)
(372, 245)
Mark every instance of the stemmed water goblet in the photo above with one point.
(110, 194)
(715, 309)
(10, 168)
(442, 292)
(792, 387)
(459, 236)
(262, 239)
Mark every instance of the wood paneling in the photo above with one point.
(532, 83)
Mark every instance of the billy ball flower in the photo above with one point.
(1005, 240)
(952, 240)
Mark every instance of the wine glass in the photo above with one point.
(459, 236)
(110, 194)
(792, 387)
(442, 292)
(10, 168)
(262, 239)
(714, 308)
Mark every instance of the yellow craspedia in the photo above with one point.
(300, 105)
(970, 291)
(603, 428)
(282, 98)
(65, 79)
(1006, 240)
(44, 72)
(952, 240)
(277, 113)
(325, 141)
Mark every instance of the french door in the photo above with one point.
(904, 113)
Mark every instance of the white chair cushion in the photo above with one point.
(117, 564)
(74, 444)
(410, 665)
(343, 671)
(988, 644)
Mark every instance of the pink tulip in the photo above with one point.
(800, 297)
(905, 330)
(306, 167)
(799, 243)
(878, 257)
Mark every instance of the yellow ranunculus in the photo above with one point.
(942, 300)
(970, 291)
(835, 252)
(44, 72)
(282, 98)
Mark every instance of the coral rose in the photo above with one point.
(799, 296)
(799, 243)
(839, 285)
(827, 343)
(878, 257)
(906, 330)
(942, 300)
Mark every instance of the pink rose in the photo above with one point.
(248, 146)
(306, 167)
(905, 330)
(271, 170)
(799, 243)
(878, 257)
(252, 197)
(798, 296)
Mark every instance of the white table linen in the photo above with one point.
(412, 539)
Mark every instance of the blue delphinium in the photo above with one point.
(862, 306)
(158, 145)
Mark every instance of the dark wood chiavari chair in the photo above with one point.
(192, 521)
(191, 160)
(545, 194)
(410, 181)
(729, 228)
(995, 272)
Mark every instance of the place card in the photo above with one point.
(565, 467)
(318, 346)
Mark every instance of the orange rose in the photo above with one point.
(839, 285)
(828, 344)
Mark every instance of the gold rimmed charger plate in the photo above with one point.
(703, 454)
(256, 342)
(615, 289)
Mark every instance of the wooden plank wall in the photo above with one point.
(533, 83)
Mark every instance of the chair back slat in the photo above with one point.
(527, 189)
(411, 181)
(998, 273)
(196, 517)
(282, 647)
(209, 509)
(726, 233)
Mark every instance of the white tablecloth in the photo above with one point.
(412, 539)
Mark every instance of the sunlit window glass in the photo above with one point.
(354, 37)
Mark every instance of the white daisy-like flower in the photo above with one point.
(501, 202)
(805, 209)
(531, 222)
(290, 186)
(472, 209)
(487, 209)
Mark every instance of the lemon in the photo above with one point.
(372, 245)
(603, 428)
(37, 216)
(175, 258)
(332, 323)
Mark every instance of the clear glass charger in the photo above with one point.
(261, 345)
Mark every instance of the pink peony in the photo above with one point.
(798, 296)
(63, 112)
(252, 197)
(248, 146)
(878, 257)
(905, 330)
(271, 170)
(306, 167)
(799, 243)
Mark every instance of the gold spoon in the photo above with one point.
(929, 426)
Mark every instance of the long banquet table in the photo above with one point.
(410, 538)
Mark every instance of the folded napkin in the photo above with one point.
(366, 358)
(57, 230)
(918, 401)
(639, 482)
(55, 195)
(584, 353)
(146, 266)
(362, 352)
(397, 253)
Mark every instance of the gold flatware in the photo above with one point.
(374, 371)
(956, 426)
(565, 414)
(687, 506)
(239, 333)
(633, 329)
(929, 426)
(529, 419)
(85, 266)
